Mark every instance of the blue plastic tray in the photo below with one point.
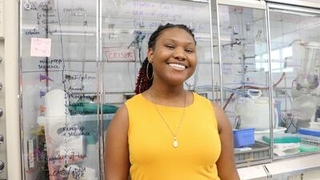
(243, 137)
(308, 131)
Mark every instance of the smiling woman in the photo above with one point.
(165, 131)
(167, 46)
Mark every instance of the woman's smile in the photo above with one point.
(177, 66)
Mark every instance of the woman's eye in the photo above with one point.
(189, 50)
(170, 46)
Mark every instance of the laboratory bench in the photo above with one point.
(304, 167)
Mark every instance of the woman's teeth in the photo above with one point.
(177, 66)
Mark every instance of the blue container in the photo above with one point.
(311, 132)
(243, 137)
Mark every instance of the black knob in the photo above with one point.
(1, 138)
(1, 112)
(1, 166)
(1, 86)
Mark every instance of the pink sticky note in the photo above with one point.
(40, 47)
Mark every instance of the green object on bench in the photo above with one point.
(304, 148)
(282, 139)
(91, 108)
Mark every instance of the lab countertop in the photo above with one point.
(281, 167)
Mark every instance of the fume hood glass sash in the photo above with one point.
(256, 4)
(299, 3)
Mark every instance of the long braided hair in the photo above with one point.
(145, 76)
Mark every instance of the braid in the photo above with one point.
(143, 83)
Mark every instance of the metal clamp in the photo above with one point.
(1, 166)
(269, 175)
(1, 85)
(1, 112)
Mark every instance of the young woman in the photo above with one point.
(166, 132)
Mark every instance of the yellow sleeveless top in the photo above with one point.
(151, 152)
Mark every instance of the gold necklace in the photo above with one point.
(174, 133)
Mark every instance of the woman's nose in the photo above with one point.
(179, 54)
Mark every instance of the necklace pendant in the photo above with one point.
(175, 142)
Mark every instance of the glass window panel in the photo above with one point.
(245, 64)
(127, 27)
(59, 89)
(295, 34)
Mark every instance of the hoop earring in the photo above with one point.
(147, 72)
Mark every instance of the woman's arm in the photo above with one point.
(116, 155)
(226, 163)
